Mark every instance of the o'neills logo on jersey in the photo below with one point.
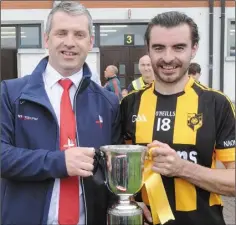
(230, 143)
(139, 118)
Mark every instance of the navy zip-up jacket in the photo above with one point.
(30, 155)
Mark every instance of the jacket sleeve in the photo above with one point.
(25, 164)
(116, 87)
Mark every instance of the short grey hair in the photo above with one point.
(73, 8)
(115, 69)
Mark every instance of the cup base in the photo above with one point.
(126, 213)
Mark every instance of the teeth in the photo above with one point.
(168, 67)
(68, 53)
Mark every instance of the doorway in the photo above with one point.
(125, 59)
(8, 64)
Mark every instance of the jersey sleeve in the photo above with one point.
(225, 130)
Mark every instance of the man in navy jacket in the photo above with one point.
(31, 161)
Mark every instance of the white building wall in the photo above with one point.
(24, 14)
(229, 70)
(229, 65)
(27, 61)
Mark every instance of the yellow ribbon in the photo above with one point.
(154, 194)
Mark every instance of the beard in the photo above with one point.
(170, 76)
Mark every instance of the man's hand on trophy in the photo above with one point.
(166, 160)
(79, 161)
(146, 213)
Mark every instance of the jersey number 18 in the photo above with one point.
(163, 124)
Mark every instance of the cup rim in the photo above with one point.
(123, 148)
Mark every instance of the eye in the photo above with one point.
(179, 48)
(80, 34)
(158, 48)
(61, 33)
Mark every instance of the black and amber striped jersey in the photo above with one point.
(199, 123)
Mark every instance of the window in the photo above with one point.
(120, 35)
(95, 31)
(30, 36)
(8, 37)
(122, 72)
(122, 69)
(21, 36)
(231, 37)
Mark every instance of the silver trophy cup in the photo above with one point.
(124, 176)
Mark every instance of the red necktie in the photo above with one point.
(69, 187)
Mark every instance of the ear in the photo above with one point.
(91, 42)
(194, 50)
(46, 39)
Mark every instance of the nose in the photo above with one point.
(168, 56)
(69, 41)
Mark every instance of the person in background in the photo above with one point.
(95, 77)
(113, 83)
(124, 92)
(51, 123)
(146, 71)
(194, 71)
(186, 126)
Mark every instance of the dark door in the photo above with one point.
(125, 59)
(8, 64)
(117, 56)
(135, 54)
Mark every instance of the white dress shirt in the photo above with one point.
(54, 92)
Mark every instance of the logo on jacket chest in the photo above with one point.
(99, 121)
(25, 117)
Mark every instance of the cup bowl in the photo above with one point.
(124, 168)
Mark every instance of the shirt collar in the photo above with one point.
(51, 76)
(110, 78)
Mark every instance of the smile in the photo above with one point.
(169, 67)
(68, 53)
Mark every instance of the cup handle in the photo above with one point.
(100, 160)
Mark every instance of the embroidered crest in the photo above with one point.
(195, 121)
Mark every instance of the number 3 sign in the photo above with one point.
(129, 39)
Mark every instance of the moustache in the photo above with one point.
(173, 63)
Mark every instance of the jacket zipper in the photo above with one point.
(77, 142)
(57, 130)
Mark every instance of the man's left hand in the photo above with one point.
(166, 160)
